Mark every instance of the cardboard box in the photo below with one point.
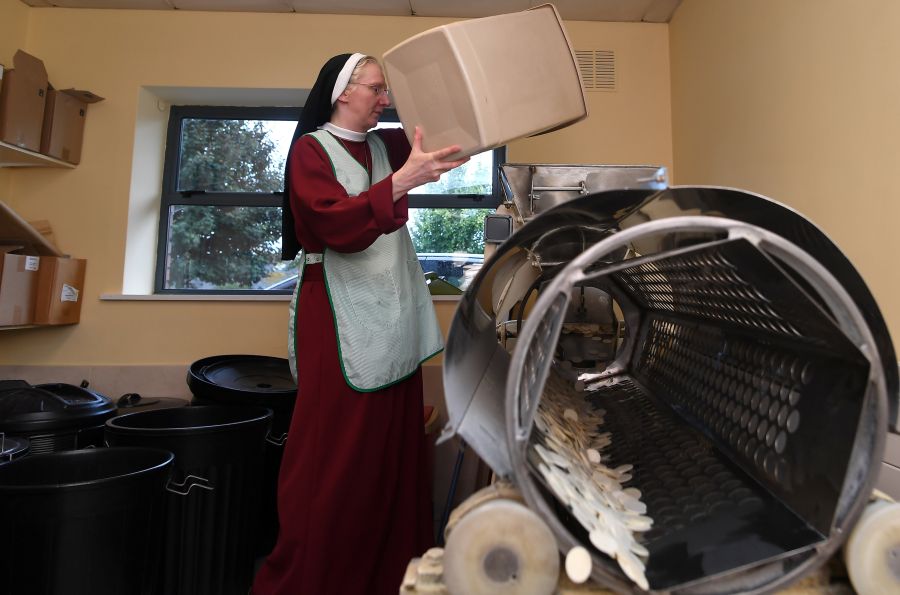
(53, 291)
(481, 83)
(60, 290)
(63, 128)
(22, 100)
(18, 286)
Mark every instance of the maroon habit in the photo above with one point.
(354, 495)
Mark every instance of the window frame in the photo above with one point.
(171, 196)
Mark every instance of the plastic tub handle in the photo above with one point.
(191, 481)
(276, 440)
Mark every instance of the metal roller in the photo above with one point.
(872, 553)
(501, 548)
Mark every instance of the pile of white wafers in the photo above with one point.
(568, 449)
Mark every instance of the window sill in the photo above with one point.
(174, 297)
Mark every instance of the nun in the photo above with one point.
(354, 497)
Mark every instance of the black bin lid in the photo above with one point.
(25, 409)
(243, 379)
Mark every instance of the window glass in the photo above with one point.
(220, 224)
(219, 155)
(449, 243)
(473, 177)
(222, 247)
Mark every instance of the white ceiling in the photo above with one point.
(652, 11)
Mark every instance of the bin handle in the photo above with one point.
(184, 488)
(276, 440)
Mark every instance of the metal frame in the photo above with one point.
(171, 196)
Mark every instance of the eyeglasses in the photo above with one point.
(377, 89)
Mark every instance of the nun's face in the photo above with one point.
(366, 98)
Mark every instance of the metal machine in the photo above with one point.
(702, 366)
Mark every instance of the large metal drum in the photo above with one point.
(694, 384)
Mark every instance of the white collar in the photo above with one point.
(343, 133)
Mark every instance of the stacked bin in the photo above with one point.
(214, 494)
(85, 522)
(252, 381)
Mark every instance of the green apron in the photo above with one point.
(383, 315)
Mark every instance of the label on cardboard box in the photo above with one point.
(60, 285)
(68, 293)
(32, 263)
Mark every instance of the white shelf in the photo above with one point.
(18, 327)
(13, 156)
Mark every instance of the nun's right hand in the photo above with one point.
(422, 168)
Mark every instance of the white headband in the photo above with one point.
(344, 76)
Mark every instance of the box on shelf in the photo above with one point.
(483, 82)
(64, 117)
(22, 99)
(18, 286)
(59, 290)
(38, 284)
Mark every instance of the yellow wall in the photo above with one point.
(13, 29)
(117, 52)
(799, 101)
(629, 126)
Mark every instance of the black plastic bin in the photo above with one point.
(252, 381)
(212, 506)
(53, 417)
(86, 522)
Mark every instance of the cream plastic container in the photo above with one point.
(484, 82)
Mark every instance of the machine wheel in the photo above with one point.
(872, 553)
(501, 548)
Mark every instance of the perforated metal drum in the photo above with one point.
(694, 384)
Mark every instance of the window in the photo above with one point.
(220, 219)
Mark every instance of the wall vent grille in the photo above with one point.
(598, 69)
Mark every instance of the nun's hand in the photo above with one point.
(422, 167)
